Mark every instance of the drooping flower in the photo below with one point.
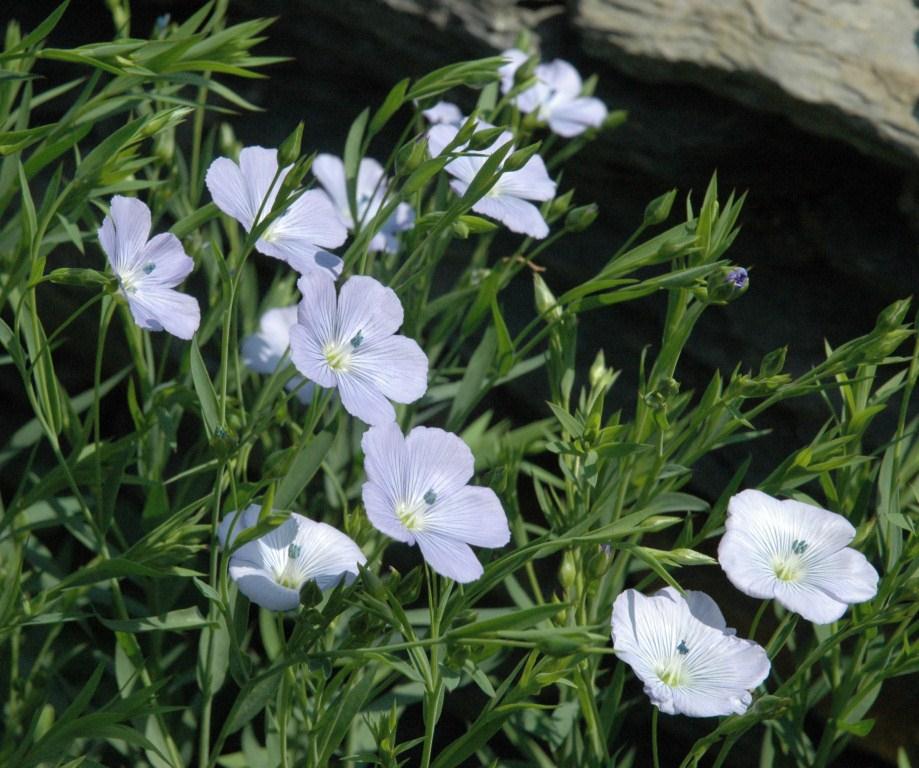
(248, 191)
(508, 200)
(370, 191)
(795, 553)
(683, 651)
(417, 492)
(444, 112)
(350, 342)
(149, 270)
(271, 569)
(264, 350)
(556, 97)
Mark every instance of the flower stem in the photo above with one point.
(655, 758)
(756, 618)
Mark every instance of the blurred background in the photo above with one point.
(810, 108)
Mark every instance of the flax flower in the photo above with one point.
(683, 651)
(795, 553)
(247, 191)
(508, 200)
(149, 270)
(417, 492)
(350, 342)
(271, 569)
(556, 97)
(264, 350)
(444, 112)
(371, 188)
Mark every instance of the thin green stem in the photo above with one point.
(655, 757)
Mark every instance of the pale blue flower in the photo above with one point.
(271, 569)
(683, 651)
(350, 342)
(299, 235)
(417, 492)
(264, 350)
(795, 553)
(370, 190)
(149, 270)
(556, 97)
(508, 200)
(444, 112)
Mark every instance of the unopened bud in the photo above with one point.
(657, 211)
(410, 156)
(559, 206)
(516, 160)
(773, 363)
(289, 151)
(580, 218)
(546, 303)
(597, 369)
(727, 284)
(568, 573)
(83, 277)
(484, 138)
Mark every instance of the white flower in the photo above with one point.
(271, 569)
(556, 97)
(417, 492)
(299, 234)
(682, 650)
(148, 270)
(795, 553)
(264, 350)
(371, 188)
(507, 200)
(351, 343)
(444, 112)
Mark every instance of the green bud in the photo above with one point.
(614, 120)
(601, 560)
(227, 142)
(597, 369)
(773, 363)
(372, 583)
(83, 277)
(892, 317)
(580, 218)
(567, 573)
(464, 134)
(289, 150)
(559, 206)
(516, 160)
(560, 645)
(410, 156)
(461, 229)
(484, 138)
(546, 303)
(657, 211)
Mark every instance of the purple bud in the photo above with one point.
(737, 277)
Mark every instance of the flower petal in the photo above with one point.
(330, 172)
(317, 322)
(515, 59)
(258, 167)
(811, 603)
(229, 191)
(326, 555)
(235, 523)
(156, 308)
(472, 514)
(124, 238)
(164, 261)
(443, 112)
(575, 117)
(450, 558)
(363, 399)
(439, 461)
(516, 214)
(395, 365)
(532, 182)
(381, 511)
(561, 78)
(368, 307)
(262, 351)
(262, 589)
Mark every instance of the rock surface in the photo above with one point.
(849, 69)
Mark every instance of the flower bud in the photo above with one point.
(567, 573)
(546, 303)
(727, 284)
(289, 150)
(597, 369)
(516, 160)
(559, 206)
(461, 229)
(580, 218)
(657, 211)
(773, 363)
(82, 277)
(484, 138)
(410, 156)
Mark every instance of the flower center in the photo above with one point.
(338, 355)
(289, 576)
(791, 566)
(411, 514)
(672, 672)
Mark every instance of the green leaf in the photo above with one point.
(391, 104)
(178, 620)
(352, 159)
(204, 387)
(304, 465)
